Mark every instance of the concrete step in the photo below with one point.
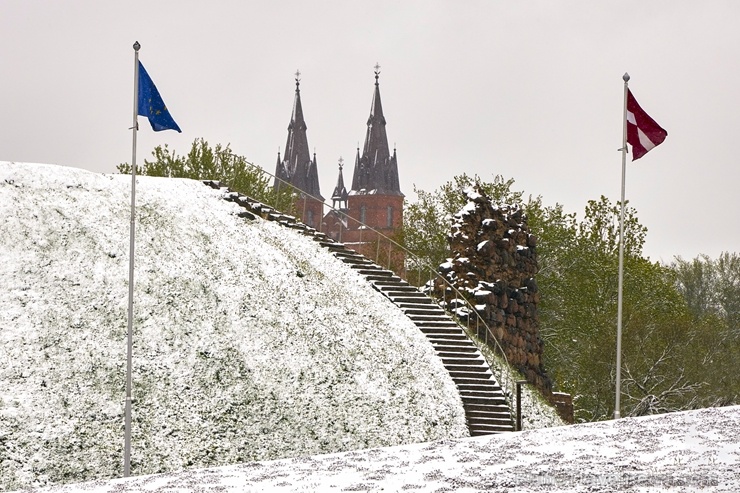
(349, 253)
(468, 362)
(483, 380)
(483, 403)
(476, 431)
(431, 316)
(332, 245)
(380, 278)
(430, 312)
(443, 350)
(468, 374)
(486, 393)
(405, 296)
(479, 410)
(395, 284)
(489, 414)
(426, 302)
(431, 324)
(373, 271)
(469, 368)
(408, 296)
(459, 355)
(442, 343)
(349, 258)
(477, 413)
(479, 417)
(466, 387)
(373, 266)
(453, 330)
(443, 338)
(389, 288)
(430, 319)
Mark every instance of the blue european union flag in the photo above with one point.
(151, 104)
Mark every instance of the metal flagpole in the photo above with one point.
(129, 341)
(626, 78)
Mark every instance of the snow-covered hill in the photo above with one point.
(679, 452)
(250, 342)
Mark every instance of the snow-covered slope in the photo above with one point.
(680, 452)
(250, 341)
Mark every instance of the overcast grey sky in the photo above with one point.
(531, 90)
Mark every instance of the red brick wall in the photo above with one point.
(310, 211)
(376, 211)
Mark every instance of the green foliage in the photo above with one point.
(203, 162)
(600, 229)
(711, 288)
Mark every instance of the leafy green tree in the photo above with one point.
(218, 163)
(711, 288)
(579, 323)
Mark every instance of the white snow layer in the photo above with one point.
(679, 452)
(251, 342)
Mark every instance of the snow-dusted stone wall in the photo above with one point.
(250, 341)
(493, 263)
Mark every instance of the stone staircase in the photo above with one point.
(485, 405)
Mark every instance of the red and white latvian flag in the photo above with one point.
(642, 132)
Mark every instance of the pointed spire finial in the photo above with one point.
(341, 163)
(377, 72)
(297, 79)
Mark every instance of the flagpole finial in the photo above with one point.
(136, 46)
(626, 77)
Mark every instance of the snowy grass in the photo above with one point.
(680, 452)
(250, 341)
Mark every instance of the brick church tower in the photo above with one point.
(375, 198)
(298, 169)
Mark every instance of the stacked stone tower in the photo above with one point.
(493, 264)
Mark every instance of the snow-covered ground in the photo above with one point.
(253, 344)
(250, 341)
(680, 452)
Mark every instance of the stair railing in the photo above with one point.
(462, 314)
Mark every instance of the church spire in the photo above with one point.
(297, 167)
(339, 196)
(376, 171)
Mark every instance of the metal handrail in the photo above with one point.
(421, 265)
